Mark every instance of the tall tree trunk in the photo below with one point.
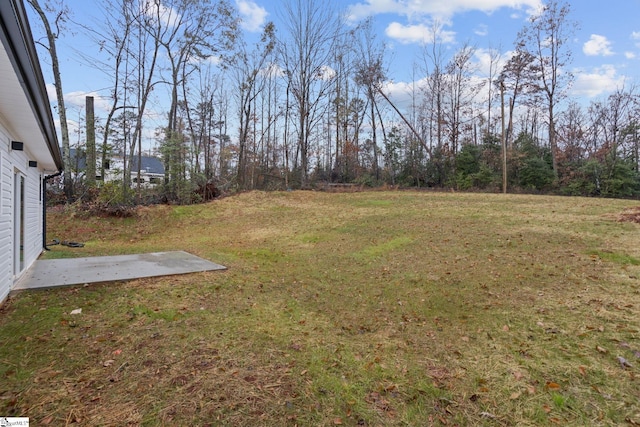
(552, 140)
(62, 112)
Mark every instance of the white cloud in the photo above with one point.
(597, 82)
(439, 9)
(481, 30)
(417, 34)
(253, 16)
(400, 93)
(78, 99)
(597, 46)
(484, 57)
(168, 16)
(212, 60)
(51, 92)
(636, 37)
(273, 70)
(630, 55)
(75, 103)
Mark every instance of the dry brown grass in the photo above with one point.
(368, 308)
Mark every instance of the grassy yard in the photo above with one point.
(372, 308)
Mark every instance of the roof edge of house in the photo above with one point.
(16, 35)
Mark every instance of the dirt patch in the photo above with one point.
(630, 215)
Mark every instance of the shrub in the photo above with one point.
(536, 174)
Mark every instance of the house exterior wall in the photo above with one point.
(6, 219)
(12, 163)
(25, 116)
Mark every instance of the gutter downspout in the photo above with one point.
(44, 207)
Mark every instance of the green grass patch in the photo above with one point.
(373, 203)
(169, 315)
(618, 258)
(380, 249)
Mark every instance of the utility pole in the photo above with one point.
(504, 143)
(91, 143)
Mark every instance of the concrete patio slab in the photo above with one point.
(77, 271)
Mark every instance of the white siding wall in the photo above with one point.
(10, 163)
(33, 216)
(6, 223)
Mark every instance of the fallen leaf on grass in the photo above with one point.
(505, 328)
(623, 362)
(337, 421)
(601, 350)
(76, 311)
(552, 386)
(518, 375)
(546, 408)
(583, 370)
(108, 363)
(515, 395)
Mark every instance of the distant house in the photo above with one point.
(29, 152)
(151, 172)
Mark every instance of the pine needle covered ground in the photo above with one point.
(371, 308)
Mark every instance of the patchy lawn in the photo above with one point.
(374, 308)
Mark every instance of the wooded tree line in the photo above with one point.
(308, 103)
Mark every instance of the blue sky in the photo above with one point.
(605, 46)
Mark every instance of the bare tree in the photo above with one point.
(201, 108)
(460, 93)
(310, 27)
(189, 31)
(370, 74)
(52, 32)
(344, 116)
(116, 39)
(516, 77)
(249, 68)
(572, 134)
(434, 68)
(545, 38)
(494, 61)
